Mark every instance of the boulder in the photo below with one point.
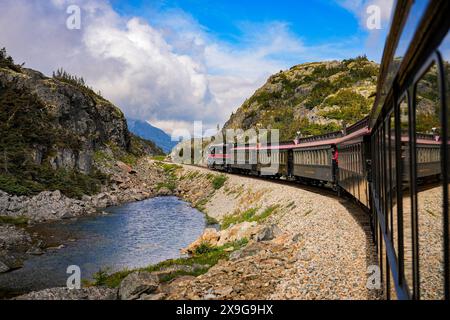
(152, 297)
(238, 232)
(90, 293)
(136, 284)
(268, 233)
(3, 267)
(210, 236)
(124, 167)
(252, 249)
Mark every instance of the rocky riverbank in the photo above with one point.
(17, 213)
(278, 241)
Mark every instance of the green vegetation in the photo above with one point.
(248, 215)
(218, 181)
(159, 158)
(349, 106)
(170, 170)
(289, 98)
(25, 123)
(210, 220)
(7, 61)
(206, 256)
(78, 82)
(18, 221)
(137, 148)
(31, 138)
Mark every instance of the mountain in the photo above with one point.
(55, 131)
(312, 98)
(145, 130)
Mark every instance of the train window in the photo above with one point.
(406, 196)
(429, 185)
(381, 172)
(393, 175)
(445, 51)
(383, 264)
(387, 185)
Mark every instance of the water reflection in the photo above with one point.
(134, 235)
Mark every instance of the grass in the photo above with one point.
(17, 221)
(205, 255)
(159, 158)
(210, 220)
(170, 172)
(200, 206)
(248, 215)
(170, 185)
(219, 181)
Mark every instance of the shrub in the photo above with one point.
(18, 221)
(203, 248)
(219, 181)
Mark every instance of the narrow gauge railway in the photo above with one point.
(395, 163)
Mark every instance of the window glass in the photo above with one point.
(393, 176)
(429, 186)
(445, 52)
(406, 195)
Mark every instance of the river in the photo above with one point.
(130, 236)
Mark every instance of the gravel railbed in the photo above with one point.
(325, 251)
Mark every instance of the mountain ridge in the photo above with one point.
(146, 130)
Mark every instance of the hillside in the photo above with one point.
(145, 130)
(312, 98)
(54, 131)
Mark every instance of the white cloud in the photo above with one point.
(376, 38)
(169, 70)
(359, 8)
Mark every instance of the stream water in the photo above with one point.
(130, 236)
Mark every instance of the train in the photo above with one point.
(395, 163)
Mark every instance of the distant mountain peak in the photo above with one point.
(147, 131)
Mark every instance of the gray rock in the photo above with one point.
(11, 261)
(268, 233)
(298, 237)
(91, 293)
(137, 283)
(3, 267)
(248, 251)
(152, 297)
(94, 121)
(35, 251)
(46, 206)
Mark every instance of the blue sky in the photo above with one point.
(173, 62)
(314, 21)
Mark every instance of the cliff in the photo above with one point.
(53, 131)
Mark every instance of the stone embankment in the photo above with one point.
(303, 243)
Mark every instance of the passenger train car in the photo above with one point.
(395, 163)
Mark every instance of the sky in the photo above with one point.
(173, 62)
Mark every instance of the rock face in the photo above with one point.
(78, 115)
(136, 284)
